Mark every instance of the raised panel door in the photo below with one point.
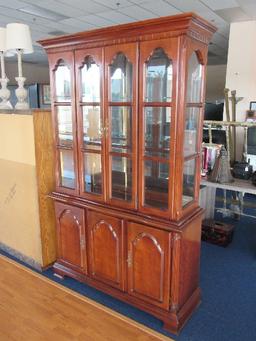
(71, 236)
(121, 91)
(106, 249)
(149, 264)
(64, 121)
(90, 119)
(157, 109)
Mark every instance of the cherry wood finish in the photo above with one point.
(148, 253)
(141, 245)
(106, 240)
(71, 236)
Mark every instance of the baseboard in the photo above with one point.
(20, 256)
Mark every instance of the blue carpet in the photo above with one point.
(228, 283)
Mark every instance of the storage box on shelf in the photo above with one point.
(128, 220)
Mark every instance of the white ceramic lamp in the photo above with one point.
(4, 91)
(18, 40)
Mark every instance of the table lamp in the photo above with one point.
(4, 91)
(18, 40)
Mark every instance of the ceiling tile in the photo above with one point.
(55, 6)
(233, 14)
(137, 12)
(116, 17)
(160, 7)
(220, 4)
(188, 5)
(15, 4)
(91, 7)
(113, 3)
(81, 25)
(250, 10)
(96, 20)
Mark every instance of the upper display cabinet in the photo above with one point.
(127, 106)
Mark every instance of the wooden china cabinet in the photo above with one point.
(127, 105)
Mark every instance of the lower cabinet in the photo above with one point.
(71, 239)
(149, 264)
(106, 248)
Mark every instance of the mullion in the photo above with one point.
(92, 151)
(191, 157)
(127, 155)
(155, 158)
(158, 104)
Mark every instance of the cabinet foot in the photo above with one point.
(171, 327)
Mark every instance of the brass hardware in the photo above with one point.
(129, 259)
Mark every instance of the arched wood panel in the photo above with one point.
(148, 264)
(71, 236)
(106, 249)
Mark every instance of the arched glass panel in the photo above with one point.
(159, 75)
(120, 79)
(62, 83)
(194, 81)
(90, 78)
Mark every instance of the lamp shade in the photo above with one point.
(18, 37)
(2, 39)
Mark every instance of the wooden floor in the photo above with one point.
(33, 308)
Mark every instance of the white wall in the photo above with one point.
(241, 69)
(34, 73)
(215, 82)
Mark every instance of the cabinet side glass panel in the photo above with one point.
(121, 178)
(194, 80)
(62, 83)
(67, 170)
(92, 173)
(120, 72)
(189, 172)
(159, 75)
(191, 130)
(156, 175)
(157, 131)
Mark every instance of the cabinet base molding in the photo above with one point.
(172, 322)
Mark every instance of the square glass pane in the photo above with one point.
(159, 75)
(157, 131)
(90, 77)
(121, 178)
(64, 121)
(62, 84)
(189, 172)
(194, 81)
(191, 130)
(92, 127)
(92, 173)
(156, 176)
(121, 123)
(67, 170)
(120, 72)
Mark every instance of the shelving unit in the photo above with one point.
(126, 199)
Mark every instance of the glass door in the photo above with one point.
(90, 122)
(121, 123)
(156, 161)
(64, 121)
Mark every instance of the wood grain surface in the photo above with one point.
(34, 308)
